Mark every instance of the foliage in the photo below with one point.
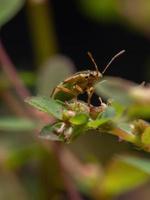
(34, 168)
(8, 9)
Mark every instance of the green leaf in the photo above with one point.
(100, 10)
(98, 122)
(123, 175)
(48, 133)
(119, 108)
(108, 113)
(16, 124)
(79, 119)
(47, 105)
(8, 8)
(125, 127)
(139, 110)
(28, 77)
(103, 117)
(116, 89)
(78, 130)
(139, 163)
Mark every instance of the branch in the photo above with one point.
(11, 73)
(22, 91)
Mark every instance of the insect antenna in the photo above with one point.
(93, 61)
(113, 58)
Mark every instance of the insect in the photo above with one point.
(81, 82)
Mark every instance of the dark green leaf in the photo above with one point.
(48, 133)
(16, 124)
(100, 10)
(28, 77)
(47, 105)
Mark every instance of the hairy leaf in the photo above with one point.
(47, 105)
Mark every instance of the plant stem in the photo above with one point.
(42, 30)
(23, 92)
(13, 103)
(70, 187)
(11, 73)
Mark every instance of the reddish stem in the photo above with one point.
(11, 72)
(70, 187)
(23, 92)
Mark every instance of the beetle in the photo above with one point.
(80, 82)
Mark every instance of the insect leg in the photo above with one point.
(64, 89)
(90, 92)
(78, 88)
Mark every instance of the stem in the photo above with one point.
(11, 73)
(13, 103)
(23, 92)
(125, 136)
(42, 30)
(70, 187)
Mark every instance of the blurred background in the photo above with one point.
(48, 41)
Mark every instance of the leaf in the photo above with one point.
(100, 10)
(28, 77)
(119, 108)
(125, 127)
(52, 73)
(48, 133)
(116, 89)
(16, 124)
(142, 164)
(79, 119)
(108, 113)
(123, 175)
(8, 8)
(139, 110)
(47, 105)
(98, 122)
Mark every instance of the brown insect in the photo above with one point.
(81, 82)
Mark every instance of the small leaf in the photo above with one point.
(28, 77)
(119, 108)
(125, 127)
(146, 136)
(98, 122)
(108, 113)
(48, 133)
(140, 163)
(79, 119)
(47, 105)
(122, 175)
(8, 8)
(139, 110)
(16, 124)
(115, 88)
